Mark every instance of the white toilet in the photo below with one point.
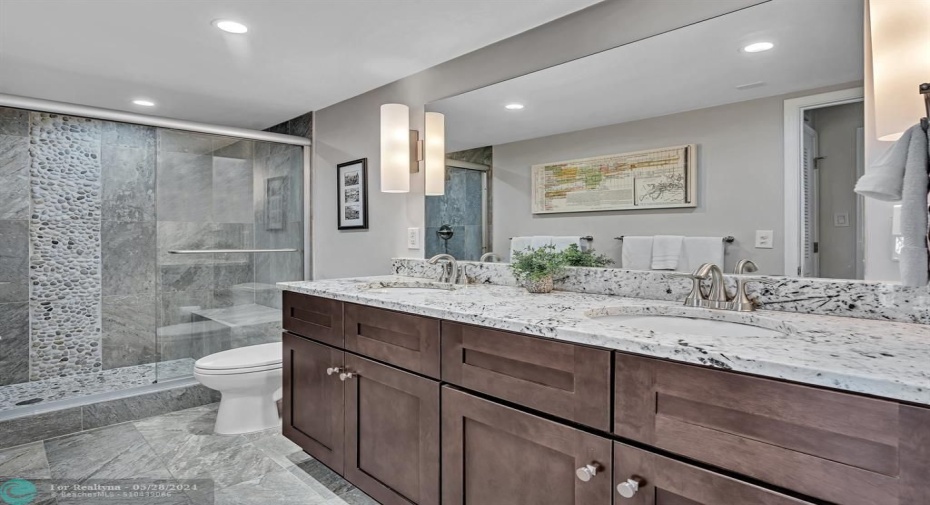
(248, 379)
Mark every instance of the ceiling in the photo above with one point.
(817, 44)
(298, 56)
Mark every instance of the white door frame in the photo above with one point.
(794, 119)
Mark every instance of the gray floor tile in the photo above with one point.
(281, 450)
(24, 462)
(279, 487)
(115, 452)
(191, 450)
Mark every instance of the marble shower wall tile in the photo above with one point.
(14, 172)
(14, 343)
(22, 430)
(14, 261)
(128, 257)
(128, 135)
(232, 190)
(184, 186)
(143, 406)
(128, 330)
(857, 299)
(14, 122)
(127, 181)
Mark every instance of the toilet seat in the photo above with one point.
(250, 359)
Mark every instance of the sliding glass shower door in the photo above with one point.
(229, 226)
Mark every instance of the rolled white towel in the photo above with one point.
(885, 178)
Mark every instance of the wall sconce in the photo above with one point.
(402, 150)
(435, 154)
(900, 62)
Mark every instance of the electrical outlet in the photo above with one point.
(765, 239)
(413, 238)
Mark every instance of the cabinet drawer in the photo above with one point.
(313, 317)
(496, 455)
(392, 433)
(664, 481)
(403, 340)
(565, 380)
(829, 445)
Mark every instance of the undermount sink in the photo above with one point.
(686, 321)
(409, 287)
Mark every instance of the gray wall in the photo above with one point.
(350, 129)
(740, 180)
(837, 135)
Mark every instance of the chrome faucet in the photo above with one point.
(450, 269)
(490, 256)
(718, 296)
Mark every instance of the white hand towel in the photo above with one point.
(696, 251)
(666, 252)
(636, 253)
(520, 244)
(885, 179)
(562, 243)
(913, 259)
(541, 240)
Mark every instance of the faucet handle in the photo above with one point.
(742, 302)
(696, 297)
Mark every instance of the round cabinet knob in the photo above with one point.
(344, 376)
(333, 369)
(585, 473)
(630, 487)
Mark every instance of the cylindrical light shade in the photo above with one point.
(434, 155)
(900, 62)
(395, 148)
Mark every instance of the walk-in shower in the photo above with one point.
(131, 247)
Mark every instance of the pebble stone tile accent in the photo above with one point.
(64, 231)
(74, 386)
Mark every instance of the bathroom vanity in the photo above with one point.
(485, 395)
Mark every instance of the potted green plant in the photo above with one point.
(536, 268)
(575, 257)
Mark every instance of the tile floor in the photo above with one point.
(262, 468)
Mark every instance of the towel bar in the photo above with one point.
(728, 239)
(228, 251)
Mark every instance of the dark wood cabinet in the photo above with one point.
(650, 479)
(565, 380)
(497, 455)
(313, 400)
(404, 340)
(826, 444)
(392, 433)
(314, 317)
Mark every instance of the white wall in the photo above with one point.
(349, 130)
(739, 171)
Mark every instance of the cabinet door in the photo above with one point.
(313, 317)
(392, 433)
(566, 380)
(830, 445)
(313, 400)
(649, 479)
(496, 455)
(405, 340)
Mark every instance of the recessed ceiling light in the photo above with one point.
(513, 106)
(144, 103)
(230, 26)
(758, 47)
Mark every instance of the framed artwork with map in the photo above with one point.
(661, 178)
(352, 194)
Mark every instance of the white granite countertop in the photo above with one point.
(880, 358)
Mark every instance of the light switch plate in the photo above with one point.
(841, 219)
(413, 238)
(765, 239)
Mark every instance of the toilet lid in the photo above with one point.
(250, 356)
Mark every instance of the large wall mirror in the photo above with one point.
(700, 133)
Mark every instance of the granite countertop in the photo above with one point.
(880, 358)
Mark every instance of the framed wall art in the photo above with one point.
(352, 197)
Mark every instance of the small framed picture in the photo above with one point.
(352, 197)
